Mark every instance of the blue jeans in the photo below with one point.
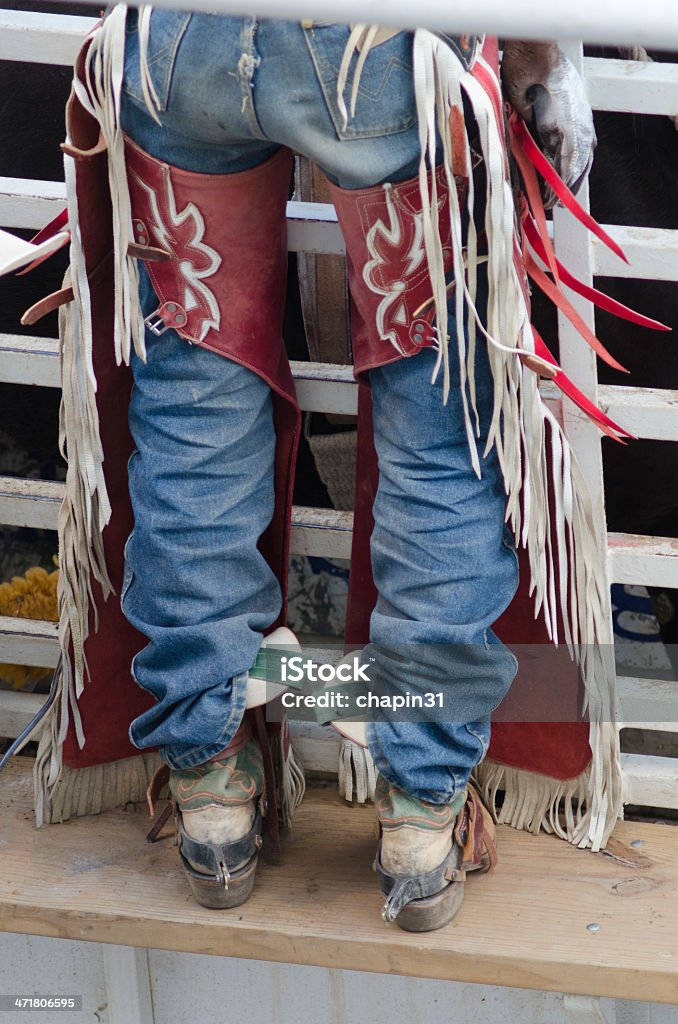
(231, 91)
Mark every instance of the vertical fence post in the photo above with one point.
(573, 245)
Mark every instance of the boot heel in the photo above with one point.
(431, 912)
(211, 893)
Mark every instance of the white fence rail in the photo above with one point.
(653, 254)
(651, 23)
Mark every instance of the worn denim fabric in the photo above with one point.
(231, 91)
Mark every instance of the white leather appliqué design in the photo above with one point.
(181, 233)
(384, 244)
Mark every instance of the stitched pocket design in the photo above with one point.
(385, 103)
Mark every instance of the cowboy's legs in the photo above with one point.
(231, 88)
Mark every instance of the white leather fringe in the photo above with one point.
(357, 773)
(533, 802)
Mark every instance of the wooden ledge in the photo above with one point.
(525, 925)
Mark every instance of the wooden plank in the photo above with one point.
(652, 254)
(323, 532)
(646, 412)
(313, 227)
(647, 704)
(651, 782)
(321, 387)
(321, 905)
(28, 360)
(624, 85)
(327, 532)
(325, 387)
(633, 558)
(26, 502)
(315, 531)
(28, 642)
(617, 85)
(42, 38)
(30, 204)
(17, 709)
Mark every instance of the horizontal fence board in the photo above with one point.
(327, 532)
(28, 360)
(645, 412)
(325, 387)
(634, 558)
(624, 85)
(321, 532)
(26, 502)
(36, 503)
(28, 642)
(650, 781)
(647, 704)
(312, 227)
(652, 254)
(16, 711)
(616, 85)
(608, 22)
(29, 204)
(42, 38)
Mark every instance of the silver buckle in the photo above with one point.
(156, 324)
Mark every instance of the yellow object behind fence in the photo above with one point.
(33, 596)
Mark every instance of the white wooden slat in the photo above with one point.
(29, 360)
(652, 254)
(30, 204)
(312, 227)
(623, 85)
(617, 85)
(642, 704)
(633, 558)
(651, 23)
(650, 781)
(647, 704)
(16, 710)
(322, 532)
(645, 412)
(28, 642)
(325, 387)
(26, 502)
(321, 387)
(42, 38)
(315, 531)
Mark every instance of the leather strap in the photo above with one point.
(47, 305)
(214, 858)
(271, 813)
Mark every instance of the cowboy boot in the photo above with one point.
(425, 851)
(220, 806)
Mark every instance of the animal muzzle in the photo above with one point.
(545, 88)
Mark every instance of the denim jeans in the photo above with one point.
(231, 91)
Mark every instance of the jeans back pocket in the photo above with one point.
(166, 32)
(385, 103)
